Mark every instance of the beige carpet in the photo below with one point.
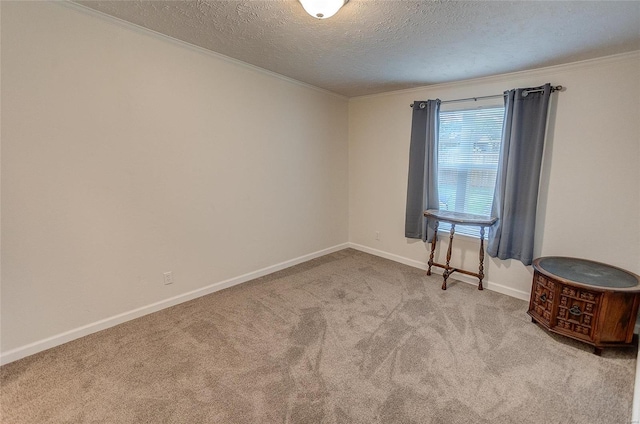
(346, 338)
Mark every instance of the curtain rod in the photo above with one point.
(525, 93)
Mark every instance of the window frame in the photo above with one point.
(470, 232)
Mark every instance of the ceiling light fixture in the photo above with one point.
(322, 9)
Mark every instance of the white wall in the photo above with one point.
(590, 193)
(126, 154)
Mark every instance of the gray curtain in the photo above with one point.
(516, 191)
(422, 187)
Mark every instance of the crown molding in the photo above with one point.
(146, 31)
(548, 70)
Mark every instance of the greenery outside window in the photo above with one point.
(468, 153)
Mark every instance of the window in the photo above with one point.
(468, 152)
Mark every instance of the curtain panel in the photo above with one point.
(517, 183)
(422, 186)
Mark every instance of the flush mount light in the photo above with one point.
(322, 9)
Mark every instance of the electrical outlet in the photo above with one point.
(377, 235)
(168, 278)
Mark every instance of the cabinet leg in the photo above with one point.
(597, 351)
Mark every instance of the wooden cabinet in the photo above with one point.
(585, 300)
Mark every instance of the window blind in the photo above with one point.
(468, 152)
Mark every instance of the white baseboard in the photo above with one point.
(499, 288)
(67, 336)
(390, 256)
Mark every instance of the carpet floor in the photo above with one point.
(345, 338)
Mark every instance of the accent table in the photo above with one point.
(586, 300)
(462, 219)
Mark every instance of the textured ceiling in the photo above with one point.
(372, 46)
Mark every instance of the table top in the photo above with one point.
(586, 272)
(461, 218)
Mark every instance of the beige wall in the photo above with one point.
(126, 154)
(590, 196)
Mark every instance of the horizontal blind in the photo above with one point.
(468, 153)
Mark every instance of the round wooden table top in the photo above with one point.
(588, 273)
